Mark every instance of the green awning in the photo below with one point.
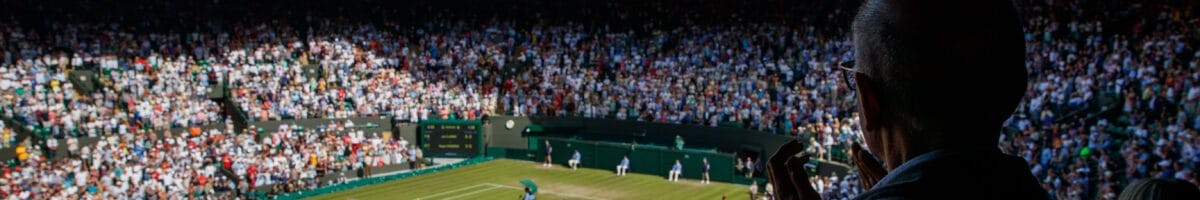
(529, 183)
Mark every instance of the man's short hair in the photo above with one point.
(1153, 189)
(955, 67)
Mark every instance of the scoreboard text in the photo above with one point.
(451, 140)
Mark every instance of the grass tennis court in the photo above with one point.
(499, 179)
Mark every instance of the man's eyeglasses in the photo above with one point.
(848, 74)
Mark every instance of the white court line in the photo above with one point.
(558, 194)
(503, 186)
(452, 191)
(469, 193)
(491, 186)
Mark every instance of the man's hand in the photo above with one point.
(786, 173)
(870, 170)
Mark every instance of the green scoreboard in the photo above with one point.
(451, 138)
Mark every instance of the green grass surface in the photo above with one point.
(499, 179)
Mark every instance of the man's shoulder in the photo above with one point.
(957, 174)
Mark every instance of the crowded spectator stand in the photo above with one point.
(1109, 101)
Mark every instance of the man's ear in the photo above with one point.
(867, 96)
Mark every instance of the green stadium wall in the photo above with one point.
(642, 159)
(517, 143)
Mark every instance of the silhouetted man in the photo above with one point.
(935, 79)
